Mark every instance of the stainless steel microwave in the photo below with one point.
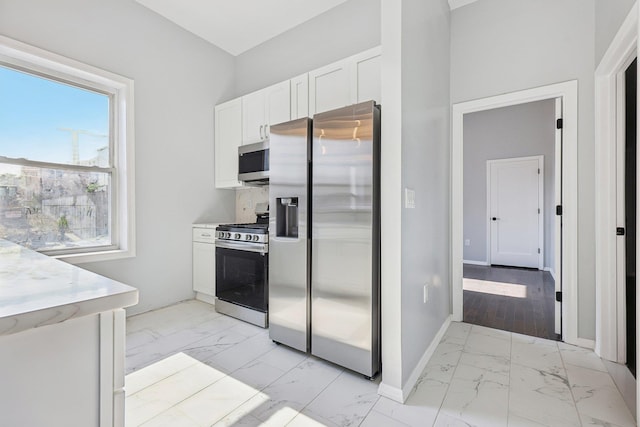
(253, 163)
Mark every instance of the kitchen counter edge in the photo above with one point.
(37, 290)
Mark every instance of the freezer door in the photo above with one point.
(289, 234)
(345, 238)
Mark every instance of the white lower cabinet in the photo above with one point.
(66, 374)
(204, 262)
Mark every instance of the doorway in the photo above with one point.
(627, 190)
(567, 206)
(509, 186)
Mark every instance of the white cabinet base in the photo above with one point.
(66, 374)
(205, 298)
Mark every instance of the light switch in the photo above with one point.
(409, 198)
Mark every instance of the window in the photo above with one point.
(66, 156)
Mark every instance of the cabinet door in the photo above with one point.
(300, 97)
(278, 104)
(204, 268)
(253, 117)
(366, 76)
(329, 87)
(228, 137)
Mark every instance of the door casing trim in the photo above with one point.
(607, 93)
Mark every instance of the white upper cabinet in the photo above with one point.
(228, 137)
(278, 103)
(329, 87)
(248, 119)
(366, 76)
(300, 97)
(346, 82)
(253, 117)
(264, 108)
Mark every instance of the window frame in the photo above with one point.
(42, 63)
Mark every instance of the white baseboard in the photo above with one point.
(205, 298)
(550, 270)
(390, 392)
(401, 395)
(466, 261)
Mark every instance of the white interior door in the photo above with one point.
(515, 211)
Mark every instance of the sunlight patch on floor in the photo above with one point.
(495, 288)
(179, 385)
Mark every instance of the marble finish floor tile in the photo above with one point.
(534, 388)
(597, 397)
(191, 366)
(625, 382)
(582, 357)
(346, 401)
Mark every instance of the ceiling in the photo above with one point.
(238, 25)
(454, 4)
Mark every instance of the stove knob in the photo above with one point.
(248, 237)
(228, 235)
(256, 238)
(237, 236)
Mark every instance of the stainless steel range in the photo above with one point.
(242, 269)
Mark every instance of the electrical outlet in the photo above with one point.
(409, 198)
(467, 242)
(425, 293)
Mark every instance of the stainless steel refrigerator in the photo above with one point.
(324, 236)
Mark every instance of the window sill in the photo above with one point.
(96, 256)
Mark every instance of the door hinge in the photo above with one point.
(559, 210)
(538, 250)
(620, 231)
(538, 211)
(559, 124)
(559, 296)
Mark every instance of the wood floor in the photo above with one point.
(532, 315)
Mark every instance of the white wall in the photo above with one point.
(426, 169)
(501, 46)
(517, 131)
(178, 80)
(350, 28)
(609, 16)
(415, 154)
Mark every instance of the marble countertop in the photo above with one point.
(209, 224)
(36, 290)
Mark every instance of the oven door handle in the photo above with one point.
(243, 246)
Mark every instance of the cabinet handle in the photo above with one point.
(266, 131)
(261, 137)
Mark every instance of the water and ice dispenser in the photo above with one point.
(287, 217)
